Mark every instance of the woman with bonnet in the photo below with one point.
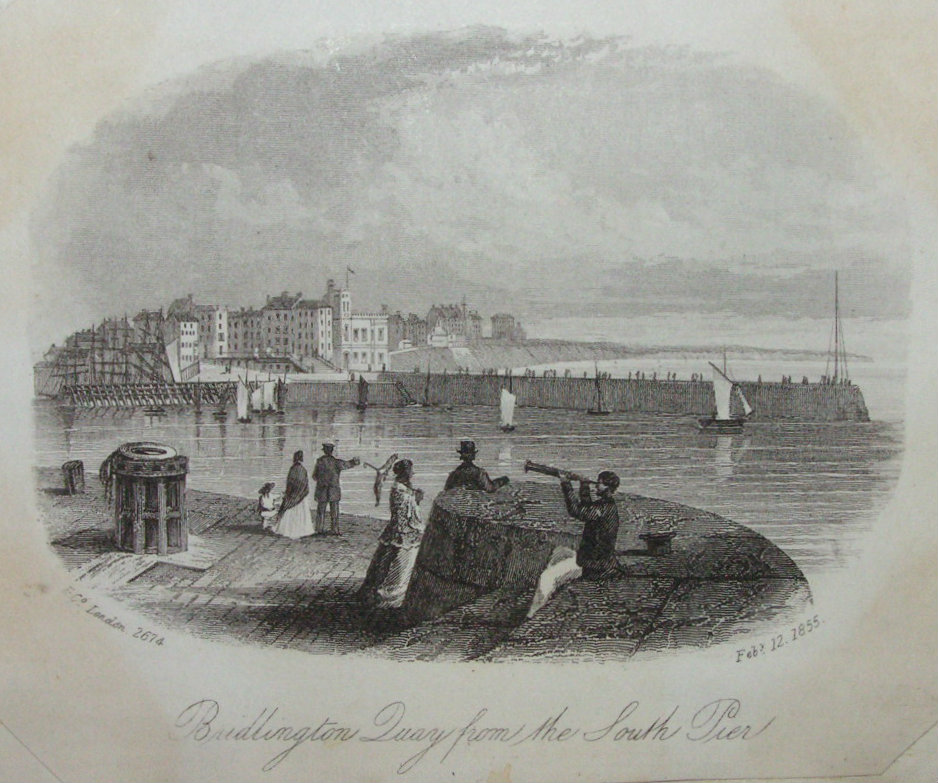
(393, 563)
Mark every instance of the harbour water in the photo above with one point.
(813, 488)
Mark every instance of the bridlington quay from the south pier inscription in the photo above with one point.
(719, 720)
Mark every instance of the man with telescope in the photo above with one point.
(596, 554)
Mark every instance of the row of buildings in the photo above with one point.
(323, 333)
(313, 335)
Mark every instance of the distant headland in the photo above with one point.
(482, 354)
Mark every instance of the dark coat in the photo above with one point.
(597, 552)
(470, 476)
(297, 487)
(326, 475)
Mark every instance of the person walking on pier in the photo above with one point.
(469, 475)
(328, 489)
(597, 552)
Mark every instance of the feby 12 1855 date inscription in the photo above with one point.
(779, 640)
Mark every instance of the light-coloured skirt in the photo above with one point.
(296, 522)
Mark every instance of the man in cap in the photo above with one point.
(328, 490)
(469, 475)
(597, 552)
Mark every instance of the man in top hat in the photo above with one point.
(469, 475)
(597, 552)
(328, 490)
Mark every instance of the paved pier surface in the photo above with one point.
(253, 587)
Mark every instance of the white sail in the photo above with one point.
(267, 395)
(242, 399)
(747, 408)
(722, 388)
(257, 397)
(507, 408)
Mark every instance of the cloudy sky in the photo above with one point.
(544, 174)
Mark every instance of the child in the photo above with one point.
(267, 505)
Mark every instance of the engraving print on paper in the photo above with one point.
(476, 345)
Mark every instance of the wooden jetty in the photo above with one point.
(140, 395)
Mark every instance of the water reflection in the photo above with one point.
(504, 455)
(728, 452)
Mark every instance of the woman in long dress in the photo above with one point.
(389, 574)
(293, 518)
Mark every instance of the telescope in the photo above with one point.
(549, 470)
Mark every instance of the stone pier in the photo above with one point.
(482, 556)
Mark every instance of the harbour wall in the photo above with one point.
(384, 394)
(769, 400)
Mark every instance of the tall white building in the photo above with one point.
(213, 325)
(181, 336)
(368, 347)
(359, 340)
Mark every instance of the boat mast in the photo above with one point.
(836, 328)
(599, 389)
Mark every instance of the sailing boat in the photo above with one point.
(724, 388)
(256, 390)
(267, 395)
(598, 410)
(243, 400)
(507, 410)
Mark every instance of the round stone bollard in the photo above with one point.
(150, 499)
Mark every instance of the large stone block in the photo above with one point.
(477, 542)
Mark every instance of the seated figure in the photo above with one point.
(268, 503)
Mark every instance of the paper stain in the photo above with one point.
(502, 775)
(881, 65)
(62, 67)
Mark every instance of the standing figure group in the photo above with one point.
(293, 517)
(389, 574)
